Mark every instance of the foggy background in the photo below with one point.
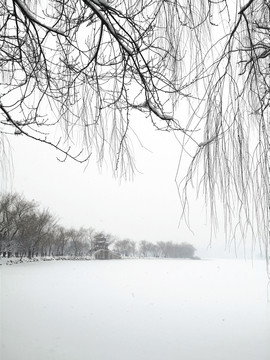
(146, 207)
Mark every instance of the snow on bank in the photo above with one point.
(135, 310)
(18, 260)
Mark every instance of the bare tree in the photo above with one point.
(145, 248)
(35, 232)
(164, 248)
(125, 247)
(78, 70)
(14, 212)
(61, 240)
(78, 242)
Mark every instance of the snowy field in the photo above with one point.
(135, 310)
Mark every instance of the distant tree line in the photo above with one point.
(26, 230)
(161, 249)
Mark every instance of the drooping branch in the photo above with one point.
(78, 70)
(28, 14)
(86, 60)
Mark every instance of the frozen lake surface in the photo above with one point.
(135, 310)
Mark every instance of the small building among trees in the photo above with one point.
(100, 242)
(100, 248)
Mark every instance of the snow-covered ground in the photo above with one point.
(135, 310)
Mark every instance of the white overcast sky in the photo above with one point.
(146, 208)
